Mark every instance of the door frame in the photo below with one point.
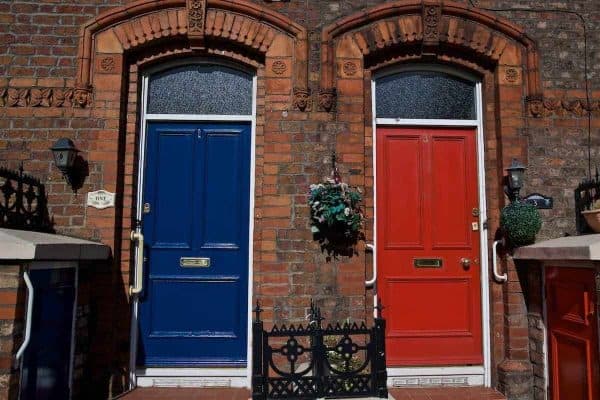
(435, 372)
(238, 377)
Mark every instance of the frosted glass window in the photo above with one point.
(200, 89)
(425, 95)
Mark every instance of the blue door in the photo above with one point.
(193, 310)
(46, 362)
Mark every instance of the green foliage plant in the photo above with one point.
(335, 215)
(520, 222)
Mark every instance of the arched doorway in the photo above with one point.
(195, 213)
(430, 219)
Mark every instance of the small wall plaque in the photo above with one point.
(540, 201)
(100, 199)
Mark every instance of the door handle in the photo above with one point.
(589, 308)
(497, 275)
(371, 282)
(27, 338)
(466, 263)
(138, 238)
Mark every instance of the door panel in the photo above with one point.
(571, 304)
(402, 206)
(426, 193)
(197, 183)
(448, 171)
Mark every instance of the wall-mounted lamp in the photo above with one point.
(64, 152)
(516, 171)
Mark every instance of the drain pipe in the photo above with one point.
(497, 276)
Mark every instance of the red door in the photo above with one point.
(573, 333)
(428, 245)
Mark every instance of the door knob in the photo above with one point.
(466, 263)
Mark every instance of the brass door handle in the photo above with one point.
(138, 237)
(466, 263)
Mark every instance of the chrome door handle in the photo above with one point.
(497, 275)
(371, 282)
(138, 237)
(28, 317)
(466, 263)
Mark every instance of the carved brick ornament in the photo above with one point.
(107, 64)
(279, 67)
(44, 97)
(302, 99)
(40, 97)
(196, 10)
(327, 98)
(196, 15)
(350, 68)
(539, 107)
(432, 15)
(512, 75)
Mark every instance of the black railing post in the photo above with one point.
(380, 382)
(318, 348)
(259, 391)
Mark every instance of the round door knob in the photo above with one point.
(466, 263)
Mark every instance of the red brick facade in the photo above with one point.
(72, 70)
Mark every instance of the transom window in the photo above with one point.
(201, 89)
(425, 95)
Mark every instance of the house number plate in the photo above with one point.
(194, 262)
(427, 262)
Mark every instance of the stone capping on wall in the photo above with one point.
(431, 22)
(139, 23)
(27, 245)
(584, 247)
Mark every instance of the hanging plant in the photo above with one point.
(520, 222)
(335, 214)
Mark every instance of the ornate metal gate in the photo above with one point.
(23, 203)
(341, 360)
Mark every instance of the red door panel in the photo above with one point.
(426, 193)
(573, 333)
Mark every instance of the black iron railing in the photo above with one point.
(586, 194)
(23, 203)
(296, 362)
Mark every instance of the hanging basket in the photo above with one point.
(336, 216)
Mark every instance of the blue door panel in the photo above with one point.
(221, 209)
(200, 321)
(197, 182)
(174, 155)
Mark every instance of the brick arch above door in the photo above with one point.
(431, 31)
(240, 30)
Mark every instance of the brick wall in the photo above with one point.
(12, 305)
(38, 51)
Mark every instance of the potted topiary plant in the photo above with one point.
(520, 222)
(592, 216)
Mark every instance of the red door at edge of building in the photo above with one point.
(573, 333)
(428, 245)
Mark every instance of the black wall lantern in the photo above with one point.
(516, 171)
(64, 152)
